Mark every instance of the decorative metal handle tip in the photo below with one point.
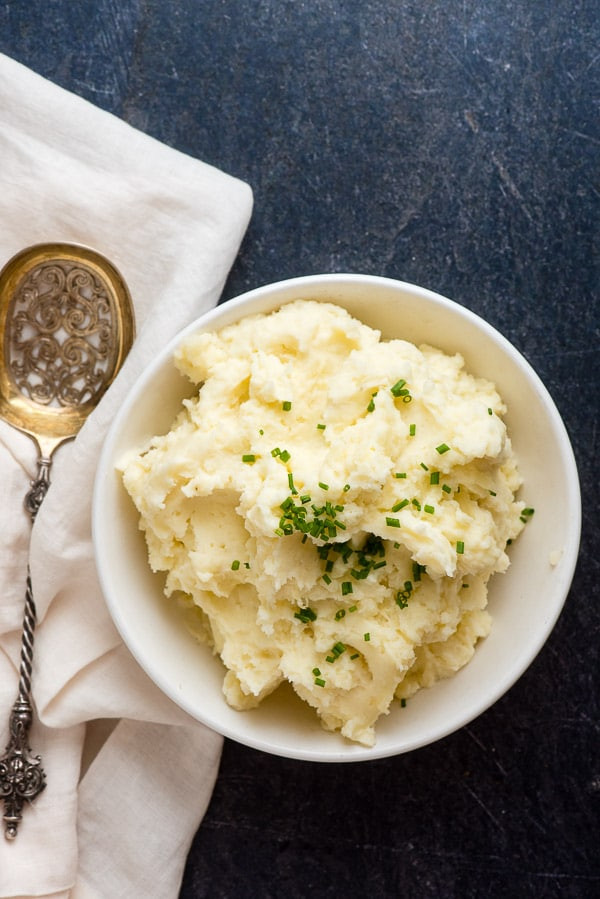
(22, 777)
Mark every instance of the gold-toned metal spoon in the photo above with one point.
(66, 326)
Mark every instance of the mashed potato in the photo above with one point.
(328, 509)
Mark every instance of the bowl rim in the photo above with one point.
(228, 309)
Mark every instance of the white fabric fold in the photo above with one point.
(172, 225)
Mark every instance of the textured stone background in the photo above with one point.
(455, 145)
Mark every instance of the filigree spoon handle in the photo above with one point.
(22, 777)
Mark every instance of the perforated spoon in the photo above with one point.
(66, 325)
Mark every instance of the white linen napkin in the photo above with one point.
(172, 225)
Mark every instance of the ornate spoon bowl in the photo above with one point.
(66, 325)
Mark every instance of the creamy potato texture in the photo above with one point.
(328, 509)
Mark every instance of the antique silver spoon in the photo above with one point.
(66, 325)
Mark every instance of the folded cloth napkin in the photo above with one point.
(129, 775)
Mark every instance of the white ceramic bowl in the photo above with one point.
(525, 602)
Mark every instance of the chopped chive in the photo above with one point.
(492, 492)
(526, 515)
(355, 655)
(416, 504)
(261, 432)
(246, 564)
(412, 430)
(398, 387)
(249, 458)
(423, 466)
(403, 703)
(319, 682)
(442, 448)
(402, 596)
(286, 405)
(326, 578)
(346, 587)
(321, 427)
(284, 456)
(275, 451)
(400, 505)
(316, 671)
(291, 482)
(366, 637)
(235, 564)
(400, 474)
(346, 488)
(400, 391)
(371, 406)
(305, 498)
(434, 477)
(490, 412)
(417, 571)
(429, 509)
(336, 650)
(460, 547)
(392, 522)
(323, 486)
(446, 488)
(340, 614)
(352, 608)
(305, 615)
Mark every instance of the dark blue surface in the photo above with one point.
(455, 145)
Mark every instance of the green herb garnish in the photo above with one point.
(306, 615)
